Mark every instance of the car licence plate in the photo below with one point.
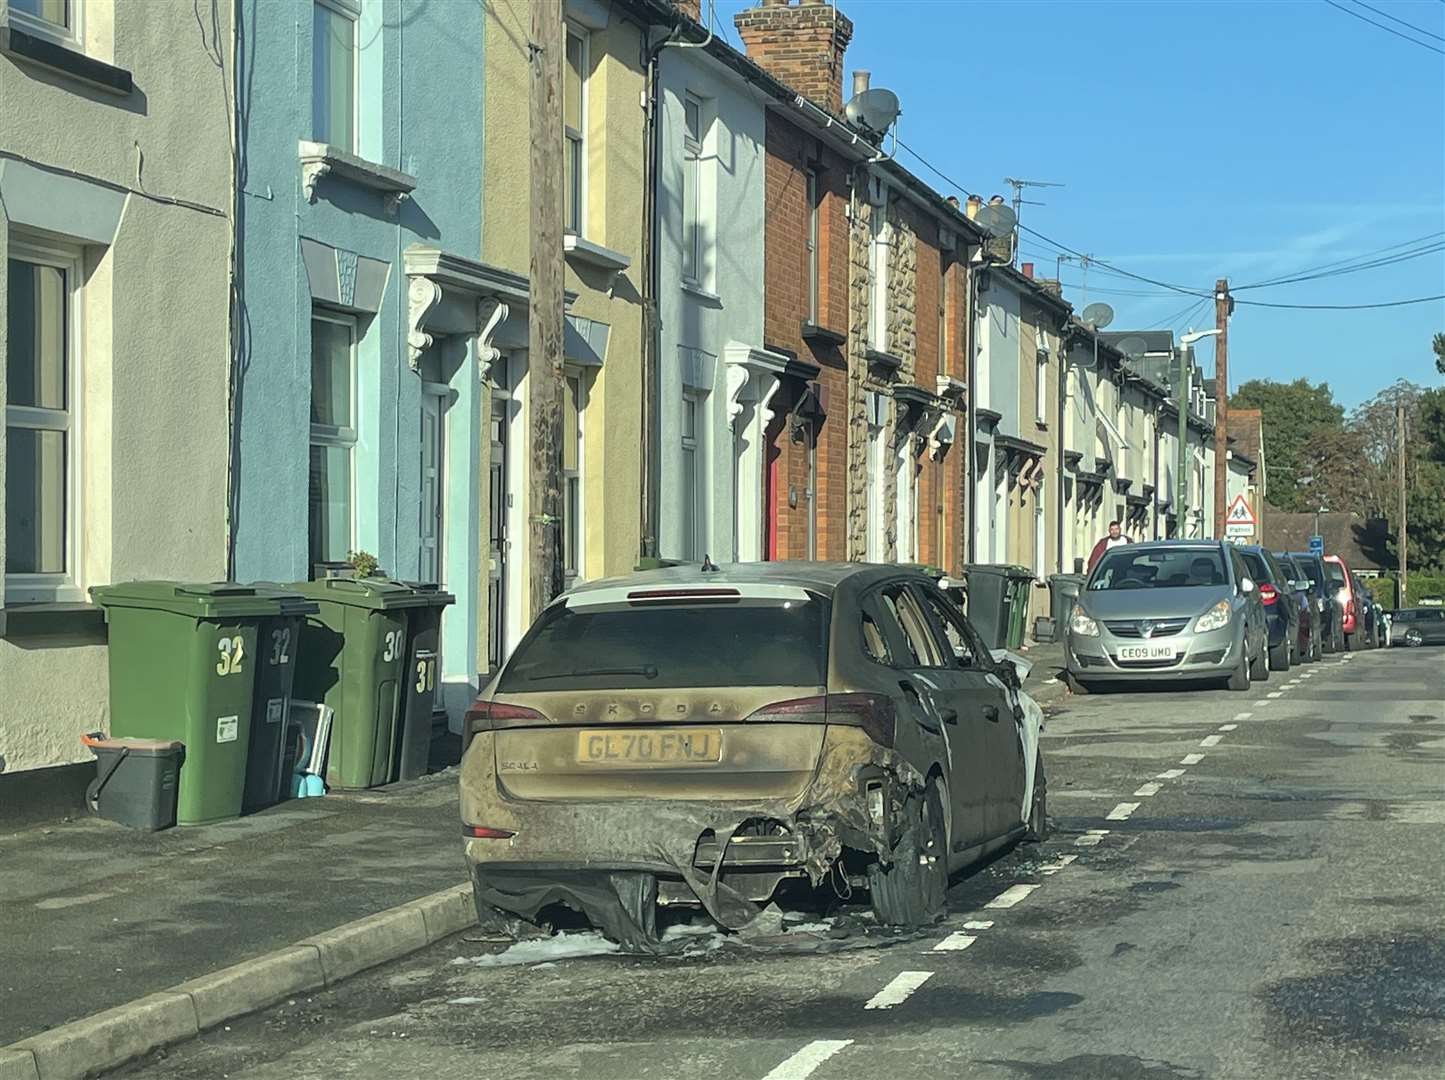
(1146, 652)
(668, 746)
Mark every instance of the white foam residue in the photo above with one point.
(539, 950)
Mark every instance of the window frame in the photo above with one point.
(338, 436)
(880, 251)
(944, 337)
(1041, 377)
(575, 139)
(694, 147)
(939, 610)
(695, 445)
(72, 35)
(813, 246)
(67, 586)
(351, 11)
(573, 566)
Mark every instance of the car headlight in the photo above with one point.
(1081, 624)
(1214, 618)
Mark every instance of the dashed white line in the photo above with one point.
(1262, 703)
(1191, 759)
(1243, 715)
(1170, 774)
(955, 942)
(806, 1061)
(1121, 812)
(978, 924)
(1057, 865)
(1275, 694)
(1091, 838)
(1151, 788)
(1227, 727)
(1010, 896)
(1211, 740)
(1050, 681)
(899, 990)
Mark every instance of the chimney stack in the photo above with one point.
(691, 8)
(1028, 269)
(800, 43)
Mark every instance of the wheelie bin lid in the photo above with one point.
(432, 594)
(198, 599)
(288, 599)
(372, 593)
(1002, 569)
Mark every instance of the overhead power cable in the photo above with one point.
(1344, 307)
(1387, 29)
(1372, 264)
(1402, 22)
(1432, 236)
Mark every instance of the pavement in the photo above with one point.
(97, 915)
(1238, 885)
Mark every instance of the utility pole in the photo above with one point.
(1223, 305)
(1404, 523)
(544, 320)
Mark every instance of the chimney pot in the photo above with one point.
(1028, 269)
(860, 82)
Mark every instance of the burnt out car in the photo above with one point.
(690, 737)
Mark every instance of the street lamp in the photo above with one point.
(1182, 356)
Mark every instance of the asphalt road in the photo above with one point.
(1239, 885)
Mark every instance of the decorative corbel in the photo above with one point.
(765, 398)
(392, 200)
(491, 313)
(423, 295)
(312, 173)
(737, 381)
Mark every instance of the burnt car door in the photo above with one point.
(979, 691)
(920, 668)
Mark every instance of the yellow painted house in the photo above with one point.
(603, 82)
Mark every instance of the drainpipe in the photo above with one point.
(1062, 443)
(971, 445)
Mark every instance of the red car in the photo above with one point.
(1343, 584)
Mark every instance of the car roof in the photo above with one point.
(819, 577)
(1204, 542)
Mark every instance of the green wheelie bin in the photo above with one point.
(992, 601)
(413, 737)
(354, 658)
(1020, 581)
(278, 639)
(182, 662)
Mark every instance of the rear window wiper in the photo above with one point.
(647, 671)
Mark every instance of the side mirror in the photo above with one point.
(1246, 586)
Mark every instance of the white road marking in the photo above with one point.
(806, 1061)
(899, 990)
(1261, 704)
(1010, 896)
(1170, 774)
(1122, 811)
(1091, 838)
(1227, 727)
(1057, 865)
(978, 924)
(1243, 715)
(1191, 759)
(1151, 788)
(1050, 681)
(955, 942)
(1275, 694)
(1211, 740)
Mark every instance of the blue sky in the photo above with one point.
(1196, 140)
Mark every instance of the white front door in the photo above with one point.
(433, 413)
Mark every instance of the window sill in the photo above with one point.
(701, 293)
(884, 361)
(1042, 425)
(603, 258)
(33, 49)
(320, 160)
(822, 336)
(67, 619)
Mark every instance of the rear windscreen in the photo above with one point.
(1336, 572)
(1258, 568)
(1312, 568)
(663, 646)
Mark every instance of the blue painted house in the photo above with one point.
(358, 404)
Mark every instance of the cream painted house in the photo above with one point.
(603, 82)
(115, 207)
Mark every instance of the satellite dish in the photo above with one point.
(996, 220)
(1133, 347)
(1098, 316)
(874, 109)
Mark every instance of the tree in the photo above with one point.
(1440, 353)
(1290, 414)
(1376, 473)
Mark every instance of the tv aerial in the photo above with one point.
(1097, 316)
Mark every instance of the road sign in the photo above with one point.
(1234, 530)
(1240, 513)
(1317, 545)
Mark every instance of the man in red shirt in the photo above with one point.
(1115, 538)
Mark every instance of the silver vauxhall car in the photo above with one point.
(1168, 610)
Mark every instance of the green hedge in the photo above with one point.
(1386, 588)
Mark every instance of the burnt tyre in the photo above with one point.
(1036, 829)
(909, 889)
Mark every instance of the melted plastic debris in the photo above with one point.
(540, 950)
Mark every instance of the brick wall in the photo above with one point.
(799, 43)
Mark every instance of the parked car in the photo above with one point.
(1281, 604)
(1167, 610)
(698, 737)
(1417, 626)
(1332, 634)
(1308, 646)
(1343, 584)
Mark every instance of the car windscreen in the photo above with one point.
(1336, 572)
(1158, 568)
(669, 645)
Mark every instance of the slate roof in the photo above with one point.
(1360, 542)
